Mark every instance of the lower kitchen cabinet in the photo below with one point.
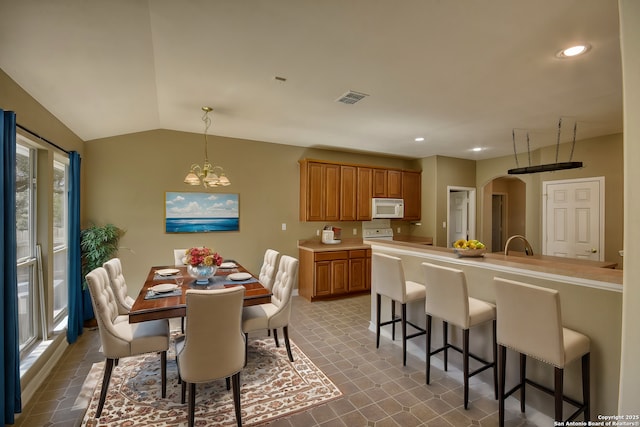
(331, 274)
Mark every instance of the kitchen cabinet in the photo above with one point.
(387, 183)
(411, 193)
(363, 209)
(319, 191)
(343, 192)
(330, 274)
(348, 193)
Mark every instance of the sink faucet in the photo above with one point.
(527, 246)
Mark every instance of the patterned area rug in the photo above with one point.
(272, 387)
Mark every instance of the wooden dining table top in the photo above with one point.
(166, 307)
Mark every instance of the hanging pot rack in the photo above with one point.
(549, 167)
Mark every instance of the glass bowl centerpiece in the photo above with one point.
(202, 263)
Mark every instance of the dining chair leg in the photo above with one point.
(378, 311)
(192, 404)
(523, 380)
(465, 366)
(428, 352)
(502, 361)
(183, 393)
(108, 368)
(275, 337)
(285, 331)
(236, 398)
(163, 372)
(228, 381)
(445, 341)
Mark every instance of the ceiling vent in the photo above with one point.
(351, 97)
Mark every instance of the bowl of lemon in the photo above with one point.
(469, 248)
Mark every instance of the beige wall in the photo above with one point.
(629, 401)
(127, 177)
(601, 157)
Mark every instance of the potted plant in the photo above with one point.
(98, 244)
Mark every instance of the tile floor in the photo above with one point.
(378, 390)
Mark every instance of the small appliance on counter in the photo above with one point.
(331, 235)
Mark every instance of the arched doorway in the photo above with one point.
(504, 212)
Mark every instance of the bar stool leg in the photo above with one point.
(429, 319)
(465, 366)
(378, 310)
(445, 341)
(586, 386)
(404, 334)
(558, 385)
(393, 316)
(523, 380)
(495, 361)
(502, 361)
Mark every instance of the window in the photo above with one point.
(26, 248)
(60, 247)
(42, 225)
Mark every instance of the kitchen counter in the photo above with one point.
(315, 245)
(599, 274)
(590, 298)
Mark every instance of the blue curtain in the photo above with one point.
(76, 316)
(9, 345)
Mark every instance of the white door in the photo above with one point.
(458, 216)
(574, 218)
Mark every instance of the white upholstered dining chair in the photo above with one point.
(123, 339)
(118, 285)
(276, 313)
(210, 353)
(269, 267)
(179, 256)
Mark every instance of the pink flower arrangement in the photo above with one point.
(202, 256)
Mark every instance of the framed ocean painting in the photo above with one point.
(188, 212)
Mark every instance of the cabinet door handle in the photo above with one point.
(591, 251)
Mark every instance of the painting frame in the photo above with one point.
(198, 212)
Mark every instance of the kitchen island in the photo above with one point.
(591, 299)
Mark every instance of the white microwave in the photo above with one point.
(387, 208)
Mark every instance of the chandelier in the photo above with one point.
(207, 174)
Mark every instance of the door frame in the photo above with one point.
(545, 194)
(471, 220)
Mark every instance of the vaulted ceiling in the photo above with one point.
(461, 74)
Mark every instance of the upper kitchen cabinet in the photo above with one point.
(411, 191)
(348, 193)
(364, 193)
(387, 183)
(319, 191)
(343, 192)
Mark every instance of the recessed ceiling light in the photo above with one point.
(573, 51)
(476, 149)
(419, 139)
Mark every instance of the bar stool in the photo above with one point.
(530, 322)
(449, 300)
(387, 278)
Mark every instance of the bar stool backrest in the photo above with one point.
(387, 277)
(529, 320)
(447, 295)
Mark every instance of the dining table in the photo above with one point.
(163, 295)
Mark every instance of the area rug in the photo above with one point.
(271, 388)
